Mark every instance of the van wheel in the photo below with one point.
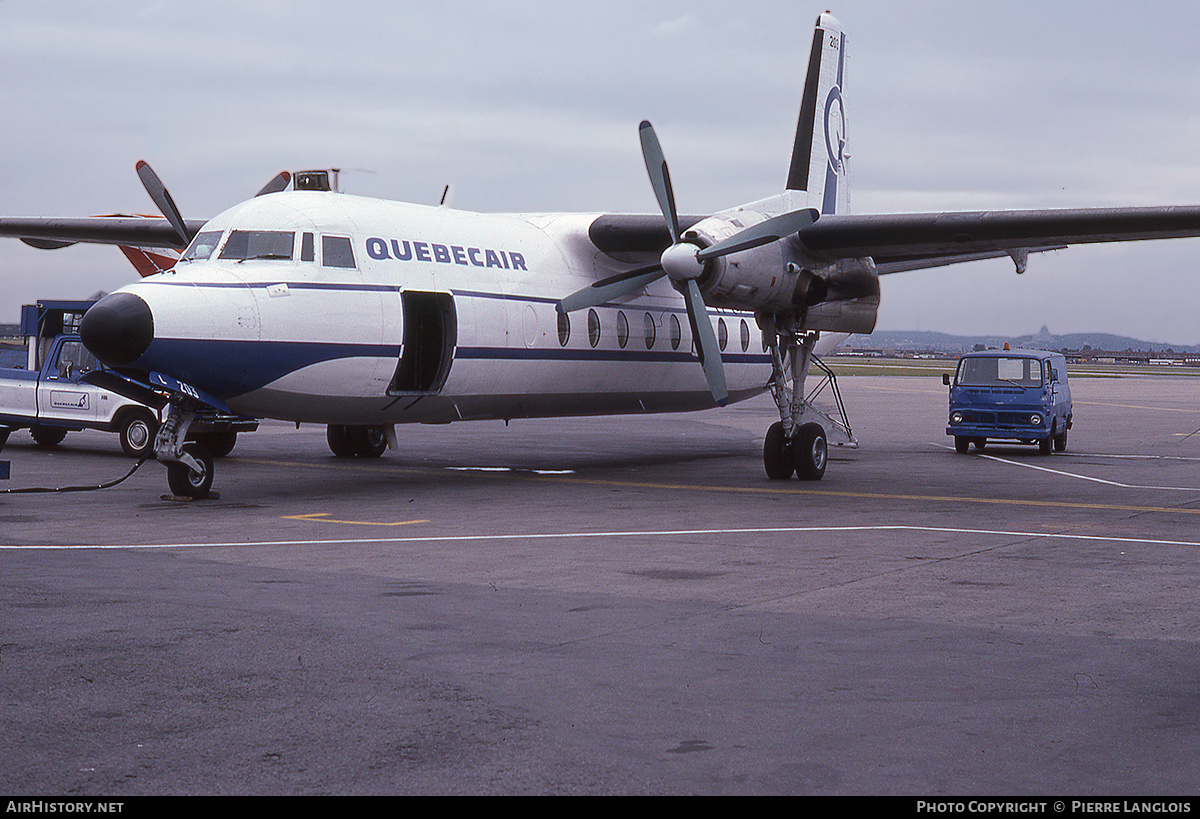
(1060, 442)
(1045, 444)
(961, 444)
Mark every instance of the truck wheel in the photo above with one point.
(47, 437)
(218, 444)
(185, 483)
(137, 432)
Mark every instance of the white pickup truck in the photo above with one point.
(45, 393)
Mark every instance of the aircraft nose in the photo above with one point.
(117, 329)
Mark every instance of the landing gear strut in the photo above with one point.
(189, 464)
(798, 444)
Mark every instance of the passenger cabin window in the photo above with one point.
(336, 252)
(245, 245)
(202, 247)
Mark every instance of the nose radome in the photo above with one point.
(117, 329)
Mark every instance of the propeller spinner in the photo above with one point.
(683, 263)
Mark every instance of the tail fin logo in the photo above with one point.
(835, 130)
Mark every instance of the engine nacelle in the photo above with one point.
(779, 278)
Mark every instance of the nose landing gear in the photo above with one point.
(189, 464)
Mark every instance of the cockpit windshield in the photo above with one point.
(997, 371)
(243, 245)
(202, 247)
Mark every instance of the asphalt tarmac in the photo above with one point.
(617, 606)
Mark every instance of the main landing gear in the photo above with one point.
(798, 444)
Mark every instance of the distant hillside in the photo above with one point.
(944, 342)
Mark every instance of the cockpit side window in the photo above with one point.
(202, 247)
(244, 245)
(336, 252)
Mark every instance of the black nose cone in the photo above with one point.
(117, 329)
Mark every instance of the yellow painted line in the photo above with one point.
(323, 517)
(826, 493)
(1192, 410)
(793, 488)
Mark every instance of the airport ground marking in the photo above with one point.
(783, 488)
(323, 517)
(754, 530)
(833, 493)
(1077, 476)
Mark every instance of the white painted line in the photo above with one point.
(1077, 476)
(769, 530)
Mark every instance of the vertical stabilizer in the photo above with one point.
(818, 158)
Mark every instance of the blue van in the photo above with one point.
(1013, 395)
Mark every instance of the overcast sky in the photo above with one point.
(534, 106)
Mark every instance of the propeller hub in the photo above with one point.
(680, 262)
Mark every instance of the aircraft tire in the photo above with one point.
(183, 482)
(810, 452)
(368, 442)
(338, 437)
(137, 431)
(776, 459)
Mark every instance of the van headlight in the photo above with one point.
(1036, 420)
(957, 417)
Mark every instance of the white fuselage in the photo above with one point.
(300, 339)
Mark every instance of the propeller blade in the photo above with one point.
(158, 192)
(279, 183)
(613, 287)
(763, 233)
(660, 178)
(706, 342)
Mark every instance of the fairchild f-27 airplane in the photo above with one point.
(312, 306)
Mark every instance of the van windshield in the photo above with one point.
(998, 371)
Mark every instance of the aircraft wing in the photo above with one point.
(912, 241)
(915, 241)
(132, 231)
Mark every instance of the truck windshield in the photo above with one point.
(997, 371)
